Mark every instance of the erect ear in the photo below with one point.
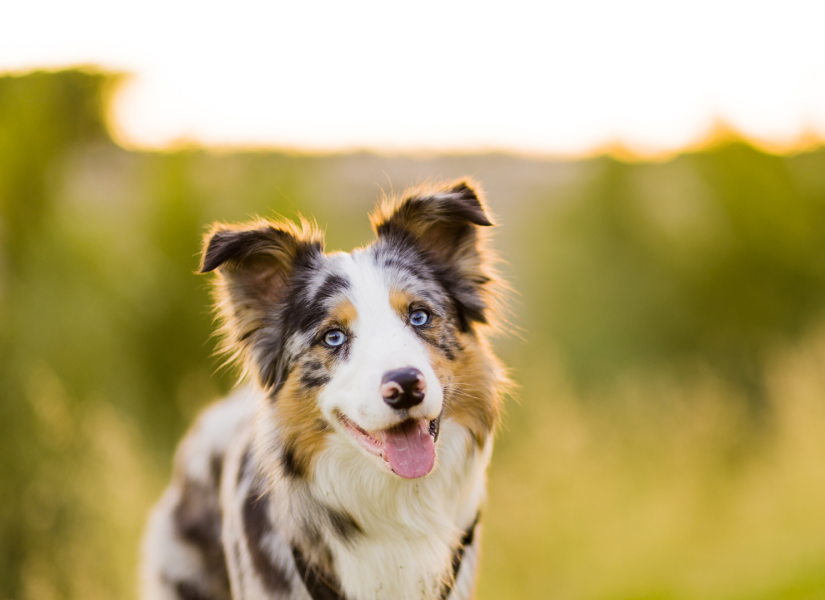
(444, 222)
(255, 262)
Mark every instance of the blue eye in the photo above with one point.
(334, 338)
(419, 318)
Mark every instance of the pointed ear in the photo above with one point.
(445, 222)
(254, 262)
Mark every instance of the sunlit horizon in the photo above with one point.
(562, 80)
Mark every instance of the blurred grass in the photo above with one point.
(668, 442)
(659, 489)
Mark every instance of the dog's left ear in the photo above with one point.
(445, 223)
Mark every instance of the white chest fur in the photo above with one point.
(410, 528)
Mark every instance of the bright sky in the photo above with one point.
(559, 77)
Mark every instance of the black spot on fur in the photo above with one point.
(320, 585)
(344, 524)
(446, 343)
(466, 297)
(186, 590)
(450, 346)
(458, 556)
(216, 469)
(292, 467)
(305, 313)
(448, 352)
(312, 534)
(314, 375)
(257, 527)
(197, 515)
(314, 365)
(274, 372)
(333, 284)
(197, 518)
(246, 462)
(407, 264)
(427, 338)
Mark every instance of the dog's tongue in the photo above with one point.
(410, 449)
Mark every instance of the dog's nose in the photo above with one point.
(403, 388)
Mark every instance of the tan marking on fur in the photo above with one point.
(302, 423)
(344, 313)
(400, 301)
(473, 383)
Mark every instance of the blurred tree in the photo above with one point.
(42, 116)
(712, 257)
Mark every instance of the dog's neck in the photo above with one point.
(377, 535)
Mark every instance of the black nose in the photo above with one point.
(403, 388)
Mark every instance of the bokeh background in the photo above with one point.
(667, 440)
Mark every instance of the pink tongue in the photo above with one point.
(410, 450)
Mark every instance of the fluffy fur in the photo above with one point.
(293, 488)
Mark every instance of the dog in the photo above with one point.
(353, 464)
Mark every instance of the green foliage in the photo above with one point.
(710, 257)
(660, 304)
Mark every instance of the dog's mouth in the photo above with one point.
(408, 449)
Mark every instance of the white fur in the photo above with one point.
(410, 526)
(383, 342)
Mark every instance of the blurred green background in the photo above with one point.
(668, 439)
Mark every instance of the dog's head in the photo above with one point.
(378, 345)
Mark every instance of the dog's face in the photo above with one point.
(375, 346)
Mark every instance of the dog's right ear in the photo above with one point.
(254, 263)
(446, 221)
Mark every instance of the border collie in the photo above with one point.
(353, 464)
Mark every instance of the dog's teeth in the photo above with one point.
(434, 427)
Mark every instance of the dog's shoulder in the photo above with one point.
(183, 551)
(201, 455)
